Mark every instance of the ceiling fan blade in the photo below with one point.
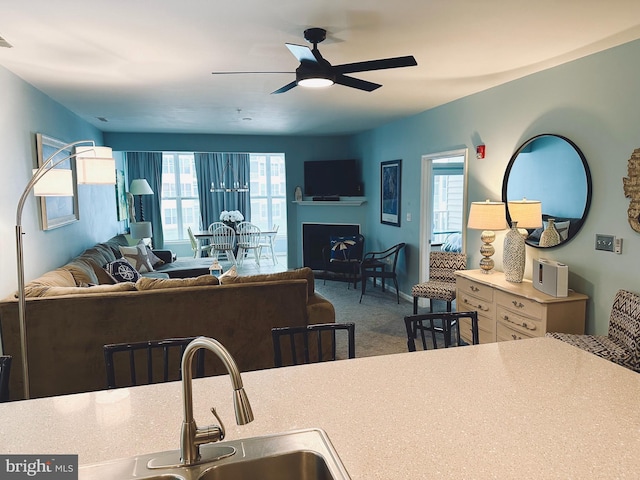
(238, 73)
(356, 83)
(396, 62)
(286, 88)
(301, 52)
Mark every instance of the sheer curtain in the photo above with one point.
(149, 165)
(210, 168)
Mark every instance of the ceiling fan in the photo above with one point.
(315, 71)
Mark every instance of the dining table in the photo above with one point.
(268, 235)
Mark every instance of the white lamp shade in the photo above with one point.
(141, 230)
(528, 213)
(487, 216)
(95, 165)
(140, 186)
(56, 182)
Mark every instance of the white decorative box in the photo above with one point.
(550, 277)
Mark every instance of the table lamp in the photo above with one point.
(524, 214)
(140, 230)
(487, 216)
(138, 187)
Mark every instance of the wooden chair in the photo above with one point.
(137, 359)
(5, 371)
(442, 279)
(248, 240)
(300, 349)
(374, 265)
(197, 248)
(267, 243)
(344, 255)
(223, 239)
(621, 345)
(427, 323)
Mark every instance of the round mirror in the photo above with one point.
(551, 169)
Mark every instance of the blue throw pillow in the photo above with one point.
(122, 271)
(342, 248)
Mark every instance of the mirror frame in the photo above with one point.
(587, 172)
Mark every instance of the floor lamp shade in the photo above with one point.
(57, 182)
(140, 186)
(524, 214)
(95, 166)
(487, 216)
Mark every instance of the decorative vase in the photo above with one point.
(514, 255)
(550, 236)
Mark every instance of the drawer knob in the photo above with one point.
(517, 304)
(473, 288)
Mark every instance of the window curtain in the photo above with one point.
(149, 165)
(213, 168)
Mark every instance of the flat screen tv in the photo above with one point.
(323, 178)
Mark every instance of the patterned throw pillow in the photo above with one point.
(122, 271)
(138, 257)
(342, 248)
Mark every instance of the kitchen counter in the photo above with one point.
(535, 408)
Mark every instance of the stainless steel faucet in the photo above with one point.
(191, 436)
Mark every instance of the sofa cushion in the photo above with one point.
(153, 258)
(122, 271)
(82, 270)
(229, 276)
(304, 273)
(51, 291)
(59, 277)
(138, 257)
(145, 283)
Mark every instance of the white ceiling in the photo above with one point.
(145, 65)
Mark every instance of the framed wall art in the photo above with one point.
(57, 211)
(390, 190)
(121, 197)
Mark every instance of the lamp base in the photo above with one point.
(487, 250)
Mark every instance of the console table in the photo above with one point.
(513, 311)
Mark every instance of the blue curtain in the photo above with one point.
(232, 168)
(149, 165)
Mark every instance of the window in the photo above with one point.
(448, 183)
(179, 203)
(268, 194)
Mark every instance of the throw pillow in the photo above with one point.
(228, 276)
(122, 271)
(342, 248)
(153, 258)
(146, 283)
(138, 257)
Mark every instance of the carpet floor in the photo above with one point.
(379, 320)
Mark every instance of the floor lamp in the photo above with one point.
(94, 165)
(139, 187)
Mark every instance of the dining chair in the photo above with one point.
(621, 345)
(5, 371)
(134, 362)
(267, 241)
(442, 279)
(215, 225)
(374, 265)
(311, 343)
(223, 239)
(248, 240)
(440, 322)
(196, 246)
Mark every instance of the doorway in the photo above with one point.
(442, 203)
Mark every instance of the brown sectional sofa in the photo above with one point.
(67, 324)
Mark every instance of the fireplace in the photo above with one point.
(315, 236)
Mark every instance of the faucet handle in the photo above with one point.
(221, 427)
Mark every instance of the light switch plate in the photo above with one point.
(605, 242)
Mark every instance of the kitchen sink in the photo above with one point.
(295, 455)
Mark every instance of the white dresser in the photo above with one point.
(512, 311)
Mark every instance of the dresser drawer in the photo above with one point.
(476, 289)
(486, 331)
(505, 334)
(525, 325)
(520, 305)
(467, 303)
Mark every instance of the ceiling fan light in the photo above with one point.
(318, 82)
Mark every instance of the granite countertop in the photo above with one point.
(534, 408)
